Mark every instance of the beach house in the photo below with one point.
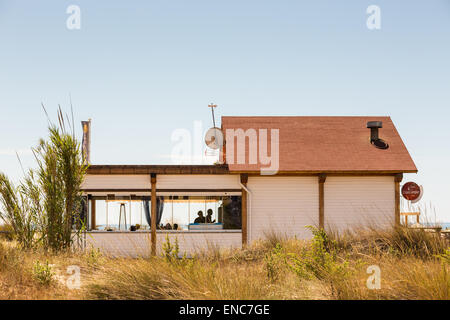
(276, 175)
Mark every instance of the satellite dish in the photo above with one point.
(214, 138)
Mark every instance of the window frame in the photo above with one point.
(166, 193)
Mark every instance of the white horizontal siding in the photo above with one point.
(134, 244)
(113, 181)
(353, 202)
(117, 244)
(283, 205)
(199, 181)
(192, 242)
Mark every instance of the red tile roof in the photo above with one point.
(325, 144)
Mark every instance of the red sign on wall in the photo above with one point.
(411, 191)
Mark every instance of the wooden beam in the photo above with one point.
(223, 169)
(410, 213)
(160, 190)
(322, 179)
(198, 190)
(93, 217)
(158, 169)
(397, 179)
(153, 213)
(337, 173)
(174, 191)
(115, 190)
(244, 180)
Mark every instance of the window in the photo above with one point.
(200, 212)
(118, 213)
(173, 212)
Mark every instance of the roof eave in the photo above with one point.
(220, 169)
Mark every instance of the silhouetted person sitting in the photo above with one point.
(209, 214)
(200, 218)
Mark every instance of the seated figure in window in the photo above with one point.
(209, 214)
(200, 218)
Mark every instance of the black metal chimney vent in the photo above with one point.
(374, 139)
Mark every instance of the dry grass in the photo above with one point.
(413, 266)
(212, 274)
(17, 278)
(402, 278)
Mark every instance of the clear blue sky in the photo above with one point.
(141, 69)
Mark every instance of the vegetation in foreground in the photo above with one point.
(44, 209)
(414, 265)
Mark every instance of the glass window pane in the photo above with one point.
(100, 215)
(197, 210)
(180, 213)
(138, 214)
(165, 207)
(211, 209)
(177, 212)
(119, 214)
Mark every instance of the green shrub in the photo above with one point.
(43, 272)
(320, 260)
(46, 206)
(16, 212)
(59, 175)
(170, 252)
(445, 257)
(273, 262)
(93, 256)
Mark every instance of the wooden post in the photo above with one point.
(93, 218)
(397, 179)
(153, 213)
(322, 179)
(244, 180)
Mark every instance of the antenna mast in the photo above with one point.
(212, 106)
(214, 136)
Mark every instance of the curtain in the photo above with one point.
(159, 209)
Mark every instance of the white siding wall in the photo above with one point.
(284, 205)
(199, 181)
(134, 244)
(120, 244)
(118, 181)
(192, 242)
(352, 202)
